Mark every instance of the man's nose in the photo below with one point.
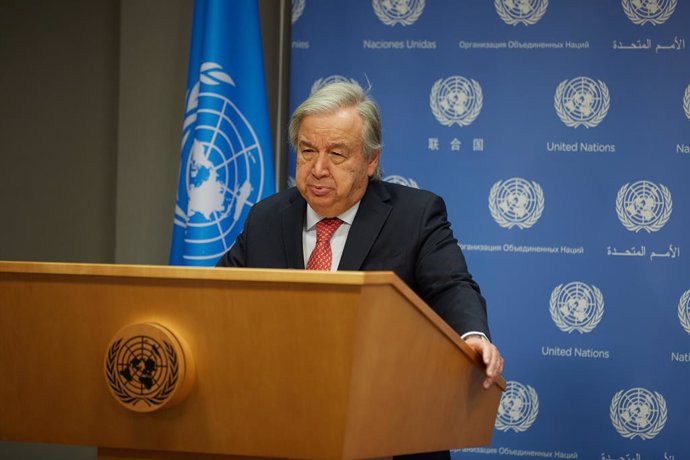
(321, 165)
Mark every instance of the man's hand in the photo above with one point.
(490, 355)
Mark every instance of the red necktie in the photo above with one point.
(322, 256)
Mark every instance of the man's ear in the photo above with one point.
(373, 162)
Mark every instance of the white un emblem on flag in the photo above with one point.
(224, 171)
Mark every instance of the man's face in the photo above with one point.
(332, 174)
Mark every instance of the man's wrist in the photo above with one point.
(476, 334)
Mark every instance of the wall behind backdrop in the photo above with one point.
(91, 121)
(559, 134)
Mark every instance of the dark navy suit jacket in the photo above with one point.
(396, 228)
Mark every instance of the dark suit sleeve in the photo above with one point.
(442, 278)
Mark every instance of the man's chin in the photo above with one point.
(325, 209)
(325, 206)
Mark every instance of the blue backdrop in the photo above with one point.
(559, 134)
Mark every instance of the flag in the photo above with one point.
(227, 160)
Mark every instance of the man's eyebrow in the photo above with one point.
(336, 145)
(306, 143)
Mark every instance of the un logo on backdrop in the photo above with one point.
(684, 311)
(321, 82)
(395, 179)
(638, 413)
(582, 102)
(518, 408)
(516, 203)
(686, 102)
(403, 12)
(527, 12)
(456, 100)
(576, 307)
(297, 9)
(655, 12)
(644, 206)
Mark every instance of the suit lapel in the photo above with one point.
(371, 215)
(292, 224)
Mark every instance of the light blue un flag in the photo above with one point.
(227, 162)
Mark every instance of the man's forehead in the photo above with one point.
(328, 136)
(344, 116)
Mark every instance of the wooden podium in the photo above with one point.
(289, 364)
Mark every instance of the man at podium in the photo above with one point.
(341, 216)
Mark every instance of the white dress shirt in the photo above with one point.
(337, 240)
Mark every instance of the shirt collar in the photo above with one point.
(348, 216)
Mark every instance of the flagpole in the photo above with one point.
(283, 96)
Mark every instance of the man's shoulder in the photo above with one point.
(277, 201)
(404, 194)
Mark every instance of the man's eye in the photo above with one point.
(337, 157)
(308, 153)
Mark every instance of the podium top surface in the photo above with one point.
(202, 273)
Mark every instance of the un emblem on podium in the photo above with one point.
(518, 408)
(148, 368)
(638, 413)
(655, 12)
(576, 307)
(686, 102)
(644, 206)
(527, 12)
